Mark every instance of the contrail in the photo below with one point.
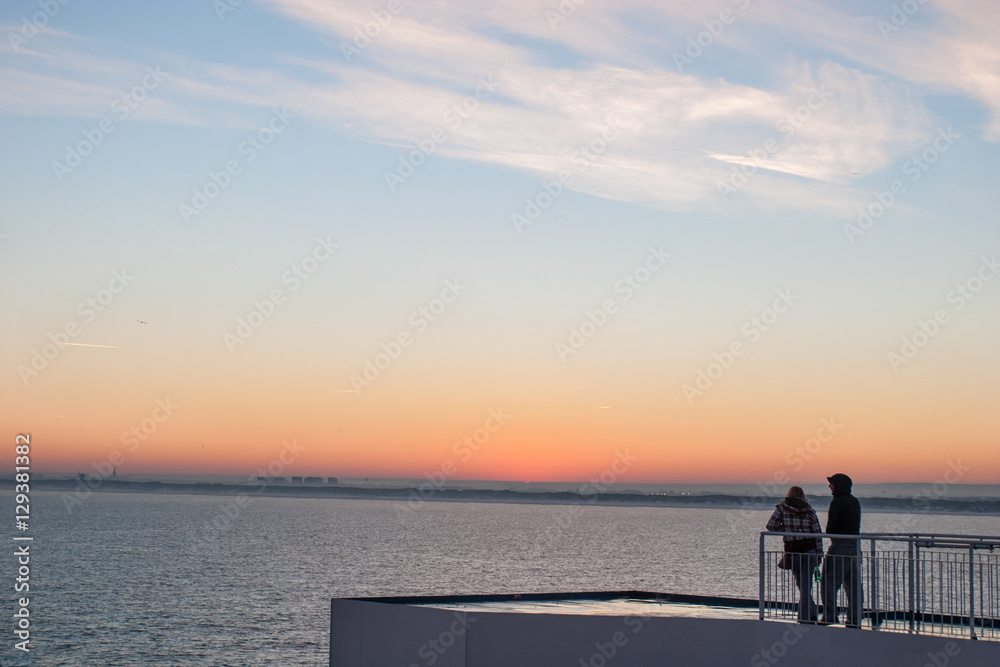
(112, 347)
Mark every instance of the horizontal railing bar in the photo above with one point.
(956, 535)
(956, 545)
(975, 542)
(899, 615)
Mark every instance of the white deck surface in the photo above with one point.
(616, 607)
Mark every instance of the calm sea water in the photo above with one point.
(136, 579)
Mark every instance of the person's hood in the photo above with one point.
(797, 505)
(842, 484)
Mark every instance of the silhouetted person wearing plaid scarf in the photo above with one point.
(794, 514)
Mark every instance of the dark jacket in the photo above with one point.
(844, 516)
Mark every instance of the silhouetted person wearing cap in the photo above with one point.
(841, 566)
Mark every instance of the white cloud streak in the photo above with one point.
(681, 133)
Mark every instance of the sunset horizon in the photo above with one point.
(744, 241)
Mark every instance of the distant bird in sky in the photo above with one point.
(141, 322)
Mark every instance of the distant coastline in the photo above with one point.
(987, 506)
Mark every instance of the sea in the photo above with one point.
(171, 579)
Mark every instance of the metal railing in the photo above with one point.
(916, 583)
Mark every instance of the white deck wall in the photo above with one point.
(375, 634)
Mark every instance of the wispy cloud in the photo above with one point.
(945, 47)
(681, 133)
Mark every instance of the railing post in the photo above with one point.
(972, 592)
(918, 611)
(873, 587)
(760, 581)
(912, 584)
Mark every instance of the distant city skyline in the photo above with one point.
(664, 242)
(904, 490)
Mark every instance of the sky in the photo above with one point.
(650, 242)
